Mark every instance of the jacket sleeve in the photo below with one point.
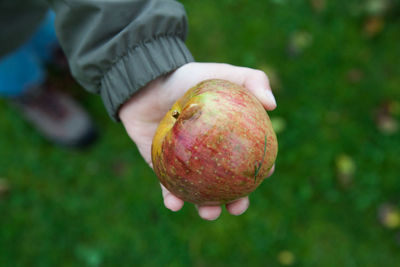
(116, 47)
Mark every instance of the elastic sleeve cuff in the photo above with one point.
(139, 66)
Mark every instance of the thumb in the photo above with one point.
(257, 82)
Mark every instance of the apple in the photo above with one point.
(216, 144)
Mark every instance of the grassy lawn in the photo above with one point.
(334, 199)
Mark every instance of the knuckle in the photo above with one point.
(262, 75)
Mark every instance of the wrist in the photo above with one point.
(142, 102)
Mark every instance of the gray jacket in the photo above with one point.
(113, 47)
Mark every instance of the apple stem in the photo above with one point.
(175, 114)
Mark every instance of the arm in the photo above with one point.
(116, 47)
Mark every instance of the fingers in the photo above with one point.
(256, 81)
(271, 171)
(239, 206)
(171, 202)
(209, 213)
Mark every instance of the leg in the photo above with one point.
(23, 68)
(20, 71)
(23, 79)
(44, 42)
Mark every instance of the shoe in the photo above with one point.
(57, 117)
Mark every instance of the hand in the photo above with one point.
(142, 113)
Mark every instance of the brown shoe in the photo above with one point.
(57, 117)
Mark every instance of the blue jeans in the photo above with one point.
(25, 67)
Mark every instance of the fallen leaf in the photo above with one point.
(318, 5)
(388, 125)
(384, 118)
(4, 187)
(389, 216)
(298, 42)
(119, 168)
(355, 75)
(345, 167)
(286, 257)
(278, 124)
(373, 26)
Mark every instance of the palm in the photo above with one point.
(143, 112)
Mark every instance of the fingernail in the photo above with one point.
(271, 97)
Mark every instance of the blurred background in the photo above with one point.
(334, 198)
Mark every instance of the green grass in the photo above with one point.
(103, 206)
